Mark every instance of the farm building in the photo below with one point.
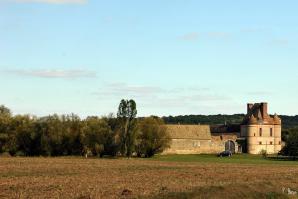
(258, 131)
(196, 139)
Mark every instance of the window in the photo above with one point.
(260, 143)
(261, 132)
(271, 143)
(254, 134)
(279, 142)
(271, 132)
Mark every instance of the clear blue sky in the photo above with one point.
(172, 56)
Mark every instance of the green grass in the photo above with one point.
(236, 159)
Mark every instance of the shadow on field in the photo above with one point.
(241, 191)
(282, 158)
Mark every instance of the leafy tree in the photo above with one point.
(4, 111)
(22, 128)
(291, 147)
(51, 131)
(113, 143)
(285, 134)
(95, 135)
(126, 115)
(152, 137)
(5, 120)
(71, 139)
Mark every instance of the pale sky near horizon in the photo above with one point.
(174, 57)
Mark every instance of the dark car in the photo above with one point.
(225, 154)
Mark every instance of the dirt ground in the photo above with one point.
(140, 178)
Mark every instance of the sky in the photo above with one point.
(173, 57)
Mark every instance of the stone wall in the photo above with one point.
(218, 142)
(195, 146)
(262, 137)
(189, 146)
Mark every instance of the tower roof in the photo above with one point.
(252, 120)
(257, 114)
(276, 119)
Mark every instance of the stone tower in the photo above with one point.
(262, 132)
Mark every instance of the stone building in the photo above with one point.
(198, 139)
(258, 132)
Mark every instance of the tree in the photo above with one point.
(113, 143)
(291, 147)
(95, 135)
(51, 131)
(152, 137)
(22, 128)
(5, 121)
(4, 111)
(71, 141)
(126, 115)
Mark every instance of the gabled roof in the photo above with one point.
(199, 132)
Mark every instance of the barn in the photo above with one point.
(198, 139)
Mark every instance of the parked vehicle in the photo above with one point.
(225, 154)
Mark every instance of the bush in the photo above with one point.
(5, 154)
(264, 154)
(152, 137)
(20, 154)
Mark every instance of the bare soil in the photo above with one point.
(140, 178)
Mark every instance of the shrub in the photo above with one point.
(5, 154)
(264, 154)
(152, 137)
(20, 154)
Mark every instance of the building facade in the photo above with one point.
(261, 131)
(198, 139)
(258, 131)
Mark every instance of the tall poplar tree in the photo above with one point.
(126, 115)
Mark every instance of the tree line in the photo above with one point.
(121, 135)
(62, 135)
(288, 122)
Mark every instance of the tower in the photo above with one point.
(261, 131)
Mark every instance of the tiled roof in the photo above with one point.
(201, 132)
(257, 114)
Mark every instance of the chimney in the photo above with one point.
(249, 107)
(264, 109)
